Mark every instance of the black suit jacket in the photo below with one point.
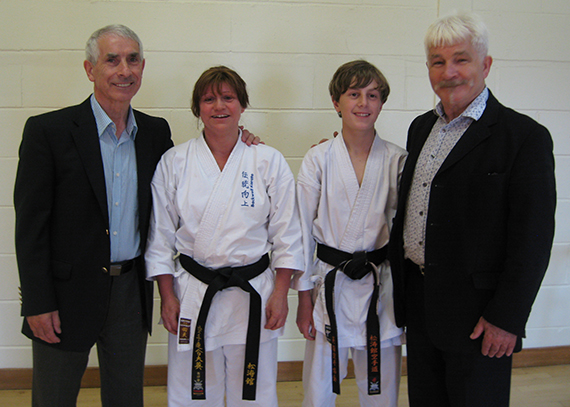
(62, 223)
(490, 226)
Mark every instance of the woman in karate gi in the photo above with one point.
(347, 191)
(219, 205)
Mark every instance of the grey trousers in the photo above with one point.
(121, 350)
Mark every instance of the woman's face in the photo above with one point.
(221, 111)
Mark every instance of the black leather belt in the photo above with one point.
(217, 280)
(355, 266)
(122, 267)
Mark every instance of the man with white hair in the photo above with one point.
(472, 237)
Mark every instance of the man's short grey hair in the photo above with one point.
(456, 28)
(92, 46)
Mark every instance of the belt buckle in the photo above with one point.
(115, 270)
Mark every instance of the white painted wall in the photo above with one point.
(287, 52)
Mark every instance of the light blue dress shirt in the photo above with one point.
(120, 166)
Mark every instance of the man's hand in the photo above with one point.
(496, 341)
(46, 326)
(305, 321)
(249, 138)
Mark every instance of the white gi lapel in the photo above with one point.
(216, 207)
(359, 197)
(345, 170)
(220, 197)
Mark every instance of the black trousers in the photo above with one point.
(439, 378)
(121, 350)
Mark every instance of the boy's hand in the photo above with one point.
(305, 321)
(325, 139)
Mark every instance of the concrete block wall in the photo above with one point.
(287, 52)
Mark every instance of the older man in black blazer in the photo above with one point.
(472, 237)
(82, 200)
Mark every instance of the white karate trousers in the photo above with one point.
(317, 376)
(224, 376)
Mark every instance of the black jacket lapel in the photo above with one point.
(475, 134)
(87, 141)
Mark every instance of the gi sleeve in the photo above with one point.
(284, 229)
(161, 246)
(308, 196)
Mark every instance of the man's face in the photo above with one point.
(457, 74)
(117, 75)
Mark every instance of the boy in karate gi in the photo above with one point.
(347, 191)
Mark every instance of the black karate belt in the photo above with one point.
(217, 280)
(355, 265)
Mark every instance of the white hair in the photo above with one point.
(92, 46)
(457, 28)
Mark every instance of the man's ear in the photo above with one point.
(487, 62)
(89, 70)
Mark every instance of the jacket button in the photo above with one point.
(104, 269)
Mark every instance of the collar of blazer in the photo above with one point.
(477, 132)
(421, 128)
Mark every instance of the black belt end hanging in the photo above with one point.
(355, 266)
(249, 381)
(373, 342)
(199, 367)
(373, 365)
(218, 280)
(333, 337)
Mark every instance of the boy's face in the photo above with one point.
(359, 107)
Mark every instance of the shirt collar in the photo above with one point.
(474, 110)
(103, 121)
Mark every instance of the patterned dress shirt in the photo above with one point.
(440, 142)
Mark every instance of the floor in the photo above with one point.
(532, 387)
